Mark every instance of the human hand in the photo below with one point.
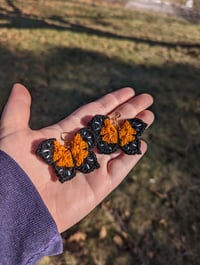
(71, 201)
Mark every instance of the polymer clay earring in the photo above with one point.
(111, 136)
(74, 155)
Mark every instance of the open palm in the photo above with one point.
(71, 201)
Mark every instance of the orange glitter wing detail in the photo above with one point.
(127, 134)
(62, 155)
(79, 149)
(109, 132)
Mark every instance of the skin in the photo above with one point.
(70, 202)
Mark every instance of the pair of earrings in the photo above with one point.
(102, 132)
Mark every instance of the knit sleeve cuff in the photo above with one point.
(27, 229)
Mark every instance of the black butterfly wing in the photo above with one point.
(138, 125)
(134, 147)
(106, 148)
(96, 125)
(64, 173)
(45, 151)
(88, 136)
(89, 164)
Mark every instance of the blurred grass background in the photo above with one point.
(71, 52)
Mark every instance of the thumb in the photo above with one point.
(16, 112)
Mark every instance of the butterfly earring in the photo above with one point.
(111, 136)
(74, 155)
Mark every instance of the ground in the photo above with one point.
(70, 52)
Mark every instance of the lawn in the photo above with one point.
(70, 52)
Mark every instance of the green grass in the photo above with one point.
(68, 53)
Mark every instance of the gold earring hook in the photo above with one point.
(115, 118)
(66, 141)
(63, 136)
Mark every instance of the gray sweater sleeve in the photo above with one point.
(27, 230)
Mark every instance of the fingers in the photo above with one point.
(103, 106)
(16, 113)
(110, 101)
(134, 106)
(147, 116)
(122, 100)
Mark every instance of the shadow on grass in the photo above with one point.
(17, 19)
(65, 78)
